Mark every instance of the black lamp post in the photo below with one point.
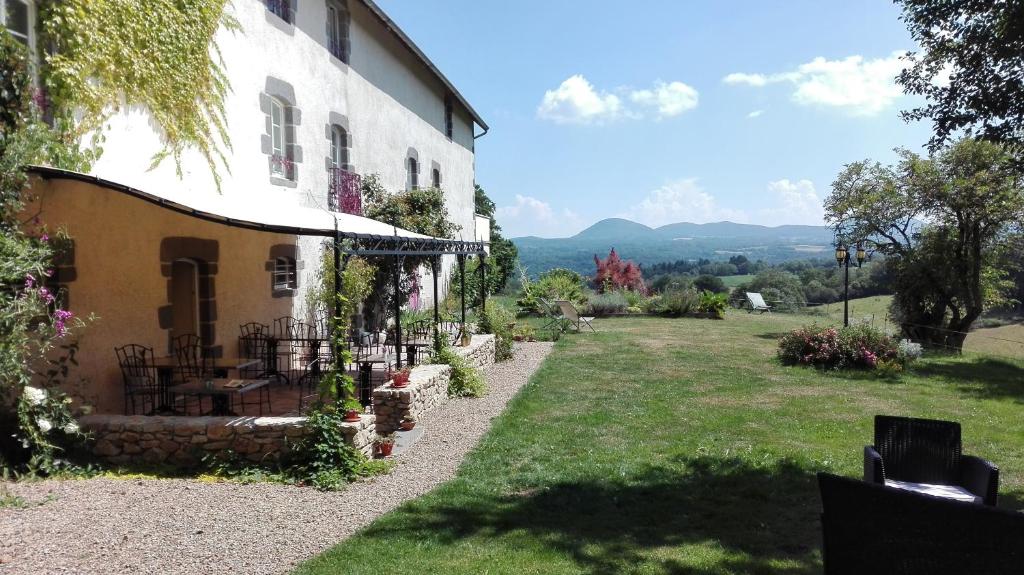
(843, 259)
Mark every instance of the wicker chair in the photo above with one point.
(925, 455)
(869, 528)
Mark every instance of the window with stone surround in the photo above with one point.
(337, 29)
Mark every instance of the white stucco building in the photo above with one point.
(321, 90)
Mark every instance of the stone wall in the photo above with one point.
(480, 352)
(183, 441)
(428, 388)
(123, 439)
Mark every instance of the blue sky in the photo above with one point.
(669, 110)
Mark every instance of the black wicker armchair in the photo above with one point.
(869, 528)
(925, 455)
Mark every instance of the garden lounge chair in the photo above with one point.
(924, 455)
(572, 317)
(757, 303)
(551, 313)
(870, 528)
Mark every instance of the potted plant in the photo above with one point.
(385, 443)
(467, 338)
(352, 412)
(400, 379)
(408, 422)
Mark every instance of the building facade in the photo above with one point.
(321, 93)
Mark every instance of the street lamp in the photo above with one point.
(843, 259)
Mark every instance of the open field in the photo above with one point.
(733, 281)
(663, 446)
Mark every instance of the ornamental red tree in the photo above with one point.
(615, 274)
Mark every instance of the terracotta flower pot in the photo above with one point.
(407, 425)
(352, 416)
(384, 449)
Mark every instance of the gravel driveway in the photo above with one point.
(184, 526)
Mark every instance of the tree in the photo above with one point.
(943, 223)
(504, 253)
(710, 283)
(979, 44)
(614, 273)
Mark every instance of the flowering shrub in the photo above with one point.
(859, 346)
(909, 351)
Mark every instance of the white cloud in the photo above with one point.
(577, 101)
(670, 99)
(530, 216)
(756, 80)
(755, 114)
(862, 87)
(681, 201)
(795, 203)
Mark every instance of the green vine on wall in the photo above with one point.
(160, 54)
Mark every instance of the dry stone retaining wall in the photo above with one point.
(480, 352)
(122, 439)
(428, 388)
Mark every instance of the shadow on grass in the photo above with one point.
(774, 336)
(984, 377)
(759, 515)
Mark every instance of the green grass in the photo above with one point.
(662, 446)
(733, 281)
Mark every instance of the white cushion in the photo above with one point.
(945, 491)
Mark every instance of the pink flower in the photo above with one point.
(44, 238)
(30, 281)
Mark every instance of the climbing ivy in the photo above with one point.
(160, 54)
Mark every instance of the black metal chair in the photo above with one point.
(283, 325)
(870, 528)
(140, 377)
(192, 365)
(252, 339)
(911, 452)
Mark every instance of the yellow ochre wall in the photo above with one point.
(117, 260)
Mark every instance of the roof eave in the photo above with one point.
(405, 39)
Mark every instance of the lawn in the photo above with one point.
(664, 446)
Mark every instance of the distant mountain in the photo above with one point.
(615, 228)
(648, 246)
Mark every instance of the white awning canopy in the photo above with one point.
(263, 212)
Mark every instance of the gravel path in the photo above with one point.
(184, 526)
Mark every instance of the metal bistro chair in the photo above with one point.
(452, 330)
(192, 364)
(140, 377)
(257, 343)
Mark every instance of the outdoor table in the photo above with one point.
(412, 348)
(220, 392)
(365, 372)
(166, 365)
(272, 355)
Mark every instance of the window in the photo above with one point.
(339, 147)
(283, 9)
(337, 30)
(285, 276)
(280, 159)
(414, 174)
(449, 124)
(435, 178)
(16, 16)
